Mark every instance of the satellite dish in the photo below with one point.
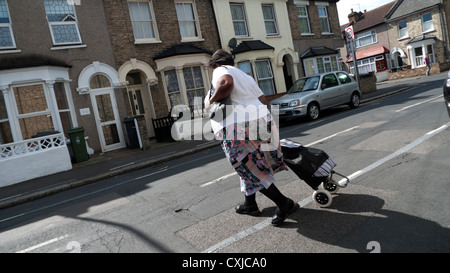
(232, 43)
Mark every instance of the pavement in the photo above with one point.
(117, 162)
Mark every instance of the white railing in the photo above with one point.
(29, 146)
(420, 61)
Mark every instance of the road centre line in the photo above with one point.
(419, 103)
(234, 238)
(310, 144)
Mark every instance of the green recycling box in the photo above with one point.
(78, 144)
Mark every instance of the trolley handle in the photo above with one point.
(336, 182)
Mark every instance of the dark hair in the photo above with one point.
(221, 57)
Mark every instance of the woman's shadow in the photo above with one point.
(358, 221)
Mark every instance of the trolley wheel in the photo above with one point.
(322, 198)
(330, 187)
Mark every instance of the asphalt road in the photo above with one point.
(395, 150)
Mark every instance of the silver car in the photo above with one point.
(447, 93)
(310, 95)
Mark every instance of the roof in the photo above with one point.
(246, 46)
(29, 60)
(318, 51)
(419, 38)
(370, 18)
(406, 7)
(181, 49)
(369, 53)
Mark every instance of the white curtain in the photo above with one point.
(186, 19)
(141, 19)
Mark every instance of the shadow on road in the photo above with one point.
(354, 220)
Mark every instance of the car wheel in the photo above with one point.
(354, 100)
(313, 111)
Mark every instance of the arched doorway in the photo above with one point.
(288, 58)
(106, 112)
(138, 77)
(288, 71)
(140, 98)
(99, 81)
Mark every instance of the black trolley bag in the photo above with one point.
(314, 167)
(310, 164)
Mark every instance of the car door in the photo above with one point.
(330, 91)
(347, 86)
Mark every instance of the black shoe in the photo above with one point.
(249, 210)
(280, 215)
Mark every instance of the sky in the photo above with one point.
(344, 7)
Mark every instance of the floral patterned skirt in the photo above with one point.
(253, 155)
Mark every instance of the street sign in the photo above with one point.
(349, 33)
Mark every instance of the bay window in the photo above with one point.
(5, 128)
(193, 87)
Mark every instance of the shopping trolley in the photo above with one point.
(315, 167)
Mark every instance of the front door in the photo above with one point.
(107, 119)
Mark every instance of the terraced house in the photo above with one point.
(416, 28)
(49, 58)
(258, 34)
(316, 35)
(91, 65)
(392, 40)
(161, 51)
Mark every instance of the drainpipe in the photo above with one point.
(444, 28)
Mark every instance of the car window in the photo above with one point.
(343, 78)
(311, 84)
(305, 84)
(329, 81)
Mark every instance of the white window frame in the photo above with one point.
(272, 20)
(182, 88)
(75, 23)
(9, 26)
(311, 64)
(196, 22)
(372, 34)
(427, 23)
(324, 17)
(271, 77)
(418, 60)
(152, 21)
(244, 20)
(402, 33)
(49, 111)
(303, 17)
(365, 66)
(241, 66)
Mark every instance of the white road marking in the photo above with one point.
(218, 179)
(419, 103)
(121, 166)
(306, 201)
(313, 143)
(323, 139)
(43, 244)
